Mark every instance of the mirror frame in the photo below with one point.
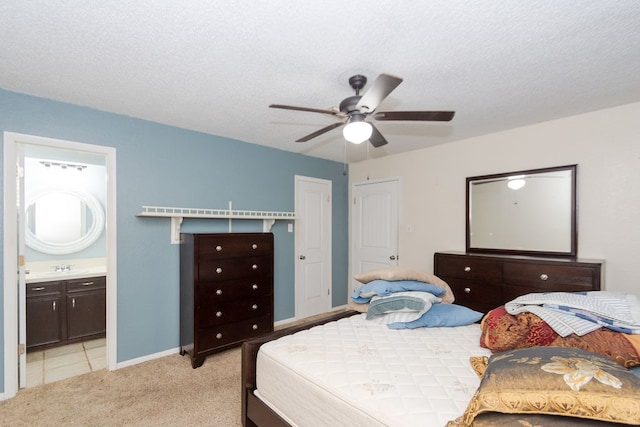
(32, 241)
(573, 233)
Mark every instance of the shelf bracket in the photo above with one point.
(176, 222)
(267, 224)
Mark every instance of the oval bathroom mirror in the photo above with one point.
(62, 220)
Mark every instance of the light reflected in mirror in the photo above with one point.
(526, 212)
(62, 221)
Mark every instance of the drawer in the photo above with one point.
(44, 288)
(233, 311)
(469, 293)
(233, 245)
(86, 284)
(547, 277)
(234, 268)
(468, 267)
(209, 338)
(218, 292)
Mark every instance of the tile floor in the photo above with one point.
(55, 364)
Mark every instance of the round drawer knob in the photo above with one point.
(254, 246)
(218, 270)
(467, 290)
(467, 269)
(219, 292)
(218, 335)
(219, 314)
(544, 277)
(254, 286)
(254, 266)
(218, 248)
(254, 306)
(254, 327)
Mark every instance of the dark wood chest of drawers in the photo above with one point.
(484, 282)
(226, 291)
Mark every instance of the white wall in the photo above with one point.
(606, 146)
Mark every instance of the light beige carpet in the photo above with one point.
(161, 392)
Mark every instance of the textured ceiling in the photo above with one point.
(215, 66)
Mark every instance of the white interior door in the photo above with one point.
(313, 246)
(374, 223)
(22, 287)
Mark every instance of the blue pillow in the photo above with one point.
(380, 287)
(441, 315)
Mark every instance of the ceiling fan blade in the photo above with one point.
(376, 139)
(431, 116)
(311, 110)
(380, 89)
(319, 132)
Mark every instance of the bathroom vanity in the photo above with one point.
(65, 311)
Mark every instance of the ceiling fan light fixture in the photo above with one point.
(357, 130)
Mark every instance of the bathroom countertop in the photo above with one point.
(49, 276)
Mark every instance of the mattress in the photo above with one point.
(359, 373)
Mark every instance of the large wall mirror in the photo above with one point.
(530, 212)
(62, 220)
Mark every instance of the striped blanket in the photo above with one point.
(581, 312)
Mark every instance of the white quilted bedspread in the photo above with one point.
(354, 372)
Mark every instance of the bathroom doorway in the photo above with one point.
(45, 260)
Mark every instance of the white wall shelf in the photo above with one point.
(178, 214)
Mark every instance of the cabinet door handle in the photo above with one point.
(254, 286)
(54, 306)
(254, 246)
(254, 327)
(302, 257)
(73, 302)
(218, 248)
(544, 277)
(218, 270)
(219, 314)
(219, 292)
(218, 335)
(39, 288)
(392, 257)
(86, 283)
(467, 269)
(254, 266)
(254, 306)
(467, 290)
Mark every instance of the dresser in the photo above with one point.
(484, 282)
(226, 291)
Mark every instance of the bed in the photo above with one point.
(347, 370)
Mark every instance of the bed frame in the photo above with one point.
(254, 411)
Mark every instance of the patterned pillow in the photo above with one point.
(558, 381)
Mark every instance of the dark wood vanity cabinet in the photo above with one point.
(86, 307)
(65, 311)
(484, 282)
(45, 314)
(226, 291)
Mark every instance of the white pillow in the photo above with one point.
(400, 306)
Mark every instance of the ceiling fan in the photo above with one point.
(354, 110)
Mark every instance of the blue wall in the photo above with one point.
(160, 165)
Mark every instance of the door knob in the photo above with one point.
(303, 257)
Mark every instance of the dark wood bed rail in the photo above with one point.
(254, 411)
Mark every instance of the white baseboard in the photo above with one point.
(147, 358)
